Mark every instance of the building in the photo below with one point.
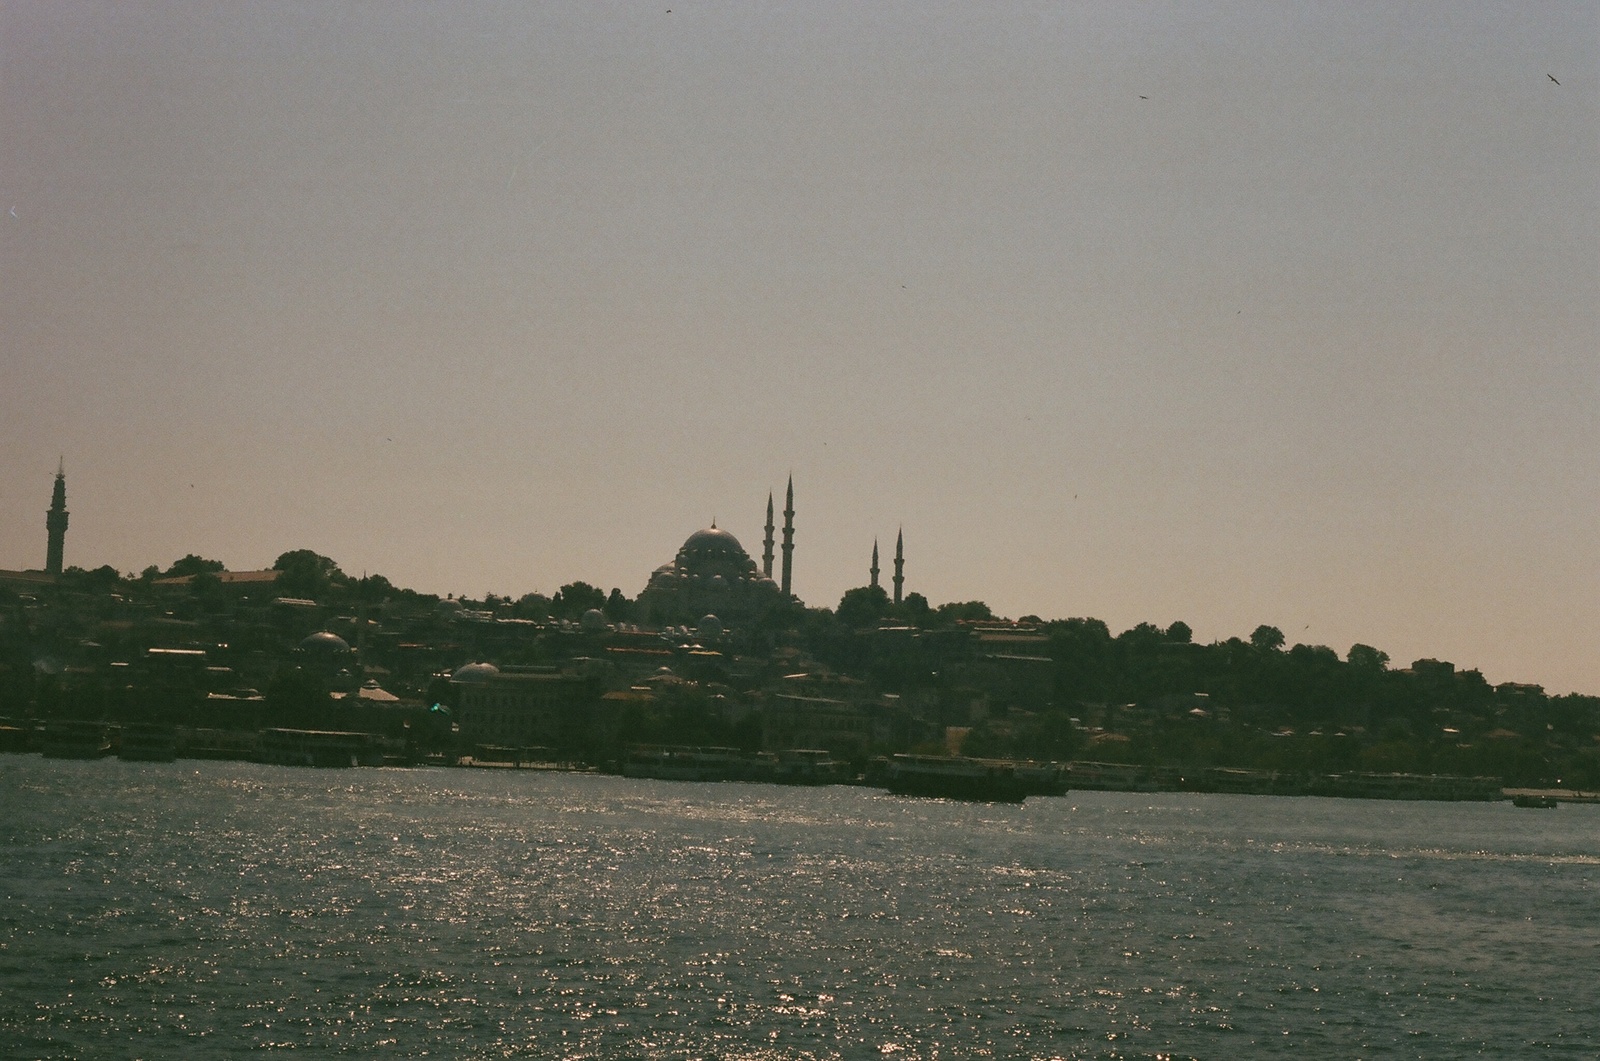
(520, 707)
(55, 522)
(712, 575)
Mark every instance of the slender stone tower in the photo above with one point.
(874, 563)
(766, 554)
(899, 563)
(788, 541)
(55, 521)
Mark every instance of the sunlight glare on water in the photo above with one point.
(228, 908)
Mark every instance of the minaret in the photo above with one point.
(766, 554)
(899, 563)
(874, 563)
(55, 521)
(788, 540)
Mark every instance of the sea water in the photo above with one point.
(224, 909)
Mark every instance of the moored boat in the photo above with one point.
(1042, 779)
(148, 742)
(955, 777)
(681, 763)
(314, 747)
(808, 766)
(75, 739)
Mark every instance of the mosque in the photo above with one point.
(712, 575)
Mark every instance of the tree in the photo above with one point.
(306, 574)
(619, 609)
(1366, 658)
(1267, 638)
(1180, 633)
(1142, 638)
(376, 588)
(1082, 651)
(862, 606)
(103, 579)
(192, 565)
(914, 608)
(575, 598)
(206, 588)
(958, 611)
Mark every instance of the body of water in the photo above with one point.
(223, 909)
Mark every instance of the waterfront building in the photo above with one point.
(520, 707)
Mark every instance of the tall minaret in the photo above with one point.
(874, 563)
(55, 521)
(788, 540)
(766, 554)
(899, 563)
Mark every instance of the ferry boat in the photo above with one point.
(1042, 779)
(1534, 801)
(148, 742)
(809, 766)
(955, 777)
(677, 763)
(75, 739)
(318, 747)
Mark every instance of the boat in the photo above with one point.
(75, 739)
(1538, 802)
(808, 766)
(1042, 779)
(955, 777)
(684, 763)
(148, 742)
(319, 747)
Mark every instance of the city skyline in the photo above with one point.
(1227, 314)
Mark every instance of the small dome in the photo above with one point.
(594, 621)
(324, 642)
(475, 672)
(710, 626)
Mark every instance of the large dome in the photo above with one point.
(713, 553)
(711, 573)
(712, 540)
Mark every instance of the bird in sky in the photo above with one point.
(1552, 77)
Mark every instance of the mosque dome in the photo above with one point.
(714, 552)
(324, 642)
(594, 621)
(710, 626)
(475, 672)
(712, 539)
(711, 573)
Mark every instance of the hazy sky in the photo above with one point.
(1233, 313)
